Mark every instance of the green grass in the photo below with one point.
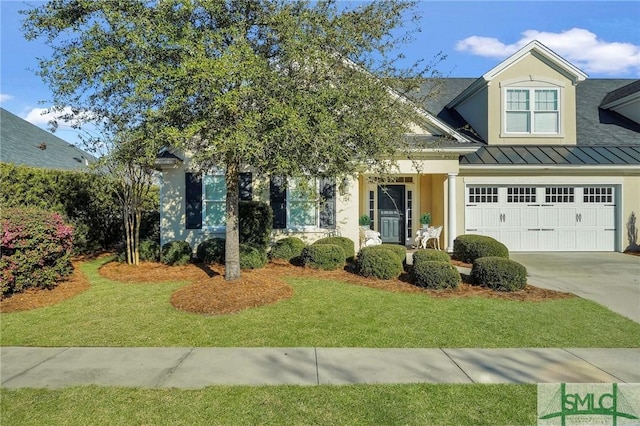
(419, 404)
(321, 313)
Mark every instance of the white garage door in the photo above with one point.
(543, 218)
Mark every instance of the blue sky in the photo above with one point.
(600, 37)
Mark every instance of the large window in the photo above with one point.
(532, 111)
(300, 207)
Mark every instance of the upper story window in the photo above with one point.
(532, 110)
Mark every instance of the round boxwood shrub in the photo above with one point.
(176, 253)
(252, 257)
(468, 248)
(400, 251)
(287, 248)
(499, 273)
(430, 255)
(380, 262)
(149, 251)
(323, 256)
(211, 250)
(435, 275)
(347, 245)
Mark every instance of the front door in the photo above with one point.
(391, 213)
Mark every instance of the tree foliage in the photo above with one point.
(291, 88)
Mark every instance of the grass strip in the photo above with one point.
(419, 404)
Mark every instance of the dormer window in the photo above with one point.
(532, 111)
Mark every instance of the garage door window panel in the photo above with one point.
(559, 195)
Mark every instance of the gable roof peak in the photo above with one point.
(544, 53)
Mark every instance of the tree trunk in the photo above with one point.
(232, 243)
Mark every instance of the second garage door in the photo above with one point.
(543, 218)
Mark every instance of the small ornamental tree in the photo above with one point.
(36, 249)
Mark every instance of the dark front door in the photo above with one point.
(391, 213)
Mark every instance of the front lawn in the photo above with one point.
(418, 404)
(321, 313)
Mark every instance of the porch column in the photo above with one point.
(451, 216)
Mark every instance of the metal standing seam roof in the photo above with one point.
(554, 155)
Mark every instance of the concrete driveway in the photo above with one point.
(611, 279)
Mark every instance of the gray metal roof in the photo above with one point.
(26, 144)
(554, 155)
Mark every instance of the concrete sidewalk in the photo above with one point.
(193, 368)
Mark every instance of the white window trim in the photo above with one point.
(532, 88)
(316, 203)
(205, 227)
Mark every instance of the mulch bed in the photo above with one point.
(210, 294)
(73, 285)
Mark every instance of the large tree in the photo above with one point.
(290, 88)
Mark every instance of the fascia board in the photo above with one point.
(535, 46)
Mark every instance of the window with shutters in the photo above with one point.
(300, 205)
(206, 199)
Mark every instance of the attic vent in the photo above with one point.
(42, 146)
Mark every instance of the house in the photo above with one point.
(532, 153)
(23, 143)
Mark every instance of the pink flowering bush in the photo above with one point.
(35, 249)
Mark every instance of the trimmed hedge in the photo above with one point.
(252, 257)
(36, 249)
(323, 256)
(255, 220)
(211, 250)
(176, 253)
(468, 248)
(420, 256)
(86, 200)
(347, 245)
(287, 248)
(380, 262)
(499, 273)
(435, 275)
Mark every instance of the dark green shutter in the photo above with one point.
(246, 187)
(193, 198)
(327, 203)
(278, 201)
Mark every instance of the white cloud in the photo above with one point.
(579, 46)
(4, 97)
(42, 116)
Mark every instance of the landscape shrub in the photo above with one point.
(400, 251)
(346, 244)
(287, 248)
(430, 255)
(252, 257)
(323, 256)
(149, 251)
(176, 253)
(211, 250)
(255, 220)
(468, 248)
(85, 199)
(435, 275)
(380, 262)
(36, 249)
(499, 273)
